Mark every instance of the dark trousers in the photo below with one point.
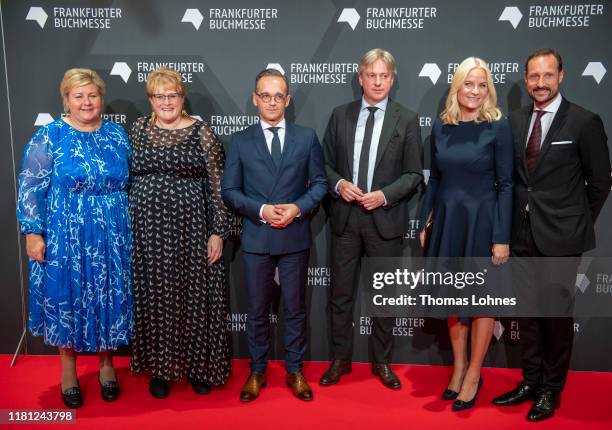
(546, 343)
(259, 278)
(359, 237)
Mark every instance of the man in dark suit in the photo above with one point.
(373, 159)
(561, 182)
(274, 177)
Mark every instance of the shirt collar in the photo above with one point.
(553, 107)
(265, 125)
(382, 105)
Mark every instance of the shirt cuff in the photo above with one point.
(261, 218)
(385, 203)
(337, 185)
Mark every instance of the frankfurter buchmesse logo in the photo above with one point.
(595, 69)
(431, 71)
(37, 14)
(76, 17)
(43, 119)
(554, 15)
(277, 67)
(193, 16)
(121, 69)
(512, 14)
(350, 16)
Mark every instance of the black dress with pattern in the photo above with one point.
(181, 304)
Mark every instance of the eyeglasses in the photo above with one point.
(163, 97)
(267, 98)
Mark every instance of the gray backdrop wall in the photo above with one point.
(220, 45)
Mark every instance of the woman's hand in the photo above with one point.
(35, 247)
(500, 253)
(215, 249)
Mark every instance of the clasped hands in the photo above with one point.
(352, 193)
(280, 216)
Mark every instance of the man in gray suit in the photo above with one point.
(373, 160)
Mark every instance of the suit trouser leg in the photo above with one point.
(546, 343)
(345, 256)
(293, 271)
(259, 280)
(381, 340)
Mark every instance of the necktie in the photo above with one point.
(364, 157)
(533, 144)
(276, 147)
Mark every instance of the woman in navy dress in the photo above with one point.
(469, 200)
(73, 210)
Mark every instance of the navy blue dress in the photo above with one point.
(469, 188)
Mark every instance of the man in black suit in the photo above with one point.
(373, 159)
(561, 182)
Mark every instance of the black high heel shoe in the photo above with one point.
(460, 405)
(72, 397)
(109, 390)
(449, 394)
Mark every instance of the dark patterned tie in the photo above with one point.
(364, 157)
(533, 144)
(276, 147)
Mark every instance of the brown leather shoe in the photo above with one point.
(252, 387)
(300, 387)
(386, 375)
(335, 370)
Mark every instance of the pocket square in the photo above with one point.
(562, 142)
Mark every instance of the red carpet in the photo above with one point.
(358, 402)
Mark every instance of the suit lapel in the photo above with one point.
(526, 118)
(552, 131)
(262, 148)
(389, 123)
(351, 127)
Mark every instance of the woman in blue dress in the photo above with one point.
(469, 201)
(73, 210)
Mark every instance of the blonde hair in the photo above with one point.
(374, 55)
(164, 77)
(488, 111)
(78, 77)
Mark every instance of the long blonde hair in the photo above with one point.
(488, 111)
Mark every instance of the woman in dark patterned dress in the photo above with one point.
(179, 222)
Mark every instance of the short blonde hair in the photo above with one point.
(374, 55)
(488, 111)
(164, 77)
(77, 78)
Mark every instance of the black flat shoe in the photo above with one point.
(544, 407)
(159, 388)
(521, 393)
(460, 405)
(72, 397)
(200, 387)
(109, 390)
(449, 394)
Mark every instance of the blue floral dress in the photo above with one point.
(72, 191)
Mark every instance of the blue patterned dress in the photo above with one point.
(72, 191)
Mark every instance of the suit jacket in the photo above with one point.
(398, 170)
(250, 179)
(570, 181)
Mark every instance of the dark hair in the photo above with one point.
(543, 52)
(271, 72)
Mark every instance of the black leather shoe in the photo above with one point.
(521, 393)
(109, 390)
(72, 397)
(159, 388)
(449, 394)
(544, 406)
(386, 375)
(462, 405)
(335, 370)
(200, 387)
